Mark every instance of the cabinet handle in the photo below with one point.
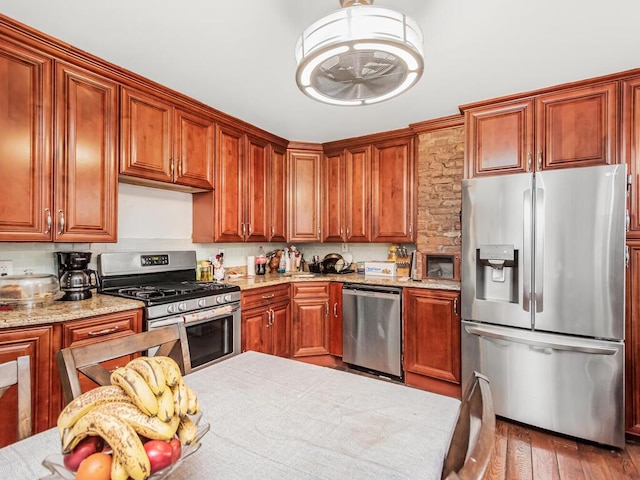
(243, 230)
(529, 161)
(326, 309)
(455, 306)
(273, 231)
(179, 167)
(341, 231)
(411, 229)
(335, 310)
(348, 232)
(106, 331)
(273, 317)
(267, 297)
(268, 313)
(319, 234)
(539, 167)
(249, 228)
(61, 215)
(49, 220)
(172, 166)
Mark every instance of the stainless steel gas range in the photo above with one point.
(166, 283)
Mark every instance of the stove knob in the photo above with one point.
(202, 303)
(227, 297)
(171, 309)
(182, 306)
(219, 299)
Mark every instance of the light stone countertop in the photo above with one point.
(271, 279)
(59, 311)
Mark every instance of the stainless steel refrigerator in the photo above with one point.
(543, 280)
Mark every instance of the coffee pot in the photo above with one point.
(75, 278)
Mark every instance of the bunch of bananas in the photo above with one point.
(148, 397)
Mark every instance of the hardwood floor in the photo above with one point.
(522, 453)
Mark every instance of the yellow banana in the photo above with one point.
(150, 427)
(193, 404)
(121, 437)
(165, 405)
(135, 386)
(187, 431)
(118, 472)
(170, 368)
(174, 423)
(152, 374)
(79, 406)
(180, 398)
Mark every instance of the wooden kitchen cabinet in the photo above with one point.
(335, 322)
(304, 198)
(632, 341)
(97, 329)
(310, 336)
(630, 149)
(266, 320)
(432, 340)
(278, 193)
(39, 345)
(569, 127)
(346, 193)
(393, 204)
(164, 143)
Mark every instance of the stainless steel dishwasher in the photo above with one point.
(372, 328)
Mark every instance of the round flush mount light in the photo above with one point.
(359, 55)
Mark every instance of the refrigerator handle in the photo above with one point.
(538, 273)
(526, 251)
(572, 346)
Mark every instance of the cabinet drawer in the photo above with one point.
(264, 296)
(104, 327)
(310, 290)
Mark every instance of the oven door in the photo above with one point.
(213, 334)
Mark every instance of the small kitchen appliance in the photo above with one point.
(75, 278)
(166, 283)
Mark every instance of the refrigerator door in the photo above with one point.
(579, 251)
(496, 249)
(564, 384)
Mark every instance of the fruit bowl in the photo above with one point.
(55, 462)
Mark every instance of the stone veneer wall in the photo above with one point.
(440, 169)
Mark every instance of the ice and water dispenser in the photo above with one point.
(497, 273)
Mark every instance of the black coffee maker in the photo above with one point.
(74, 276)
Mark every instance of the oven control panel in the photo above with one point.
(154, 260)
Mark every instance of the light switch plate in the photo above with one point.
(6, 267)
(345, 247)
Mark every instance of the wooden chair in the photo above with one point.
(473, 437)
(171, 340)
(18, 372)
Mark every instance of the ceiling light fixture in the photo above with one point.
(359, 55)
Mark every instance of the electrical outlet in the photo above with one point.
(345, 247)
(6, 267)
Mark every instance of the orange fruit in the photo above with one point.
(95, 467)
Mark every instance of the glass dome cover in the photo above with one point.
(29, 288)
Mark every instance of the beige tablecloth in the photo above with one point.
(273, 418)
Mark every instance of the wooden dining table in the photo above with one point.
(275, 418)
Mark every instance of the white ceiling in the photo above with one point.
(238, 56)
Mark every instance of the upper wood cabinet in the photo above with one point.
(304, 195)
(630, 148)
(346, 192)
(165, 142)
(572, 127)
(392, 191)
(278, 193)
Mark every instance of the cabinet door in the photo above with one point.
(194, 149)
(630, 147)
(25, 144)
(256, 193)
(256, 336)
(304, 196)
(499, 139)
(335, 322)
(278, 194)
(632, 340)
(333, 205)
(98, 329)
(392, 201)
(357, 198)
(432, 338)
(86, 168)
(577, 128)
(37, 344)
(229, 192)
(310, 330)
(281, 329)
(146, 136)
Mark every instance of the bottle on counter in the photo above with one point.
(261, 262)
(282, 267)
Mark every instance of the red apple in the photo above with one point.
(87, 446)
(176, 448)
(159, 453)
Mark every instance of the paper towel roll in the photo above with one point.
(251, 267)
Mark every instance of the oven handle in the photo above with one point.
(211, 313)
(163, 323)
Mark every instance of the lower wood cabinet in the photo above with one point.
(432, 340)
(632, 341)
(266, 321)
(39, 345)
(310, 323)
(335, 318)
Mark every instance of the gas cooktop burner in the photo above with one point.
(171, 290)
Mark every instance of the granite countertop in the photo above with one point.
(271, 279)
(59, 311)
